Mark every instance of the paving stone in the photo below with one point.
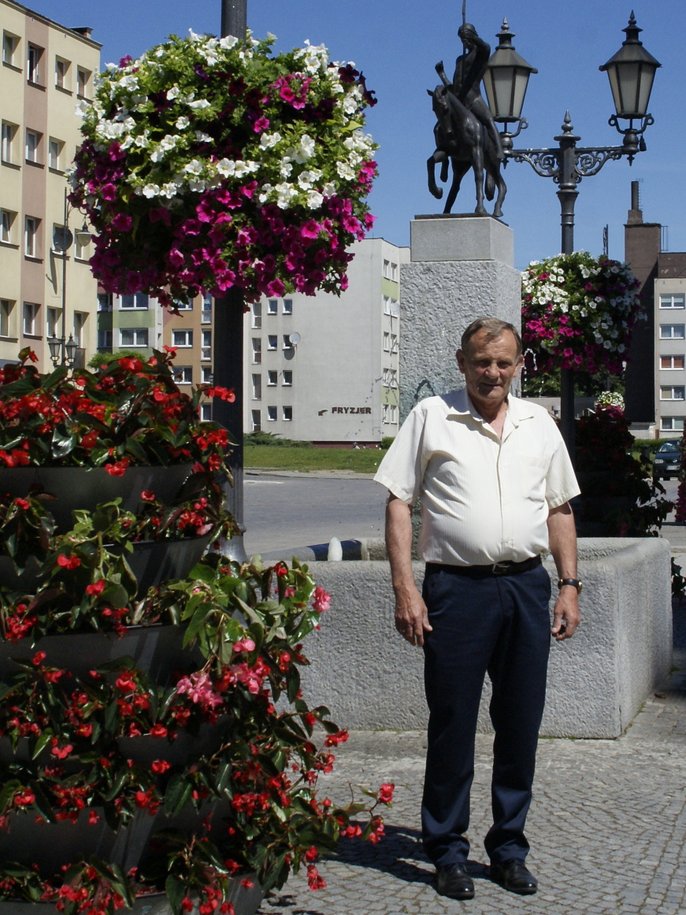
(606, 825)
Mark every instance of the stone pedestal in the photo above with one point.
(461, 267)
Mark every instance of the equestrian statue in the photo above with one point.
(465, 132)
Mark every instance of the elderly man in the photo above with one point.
(494, 481)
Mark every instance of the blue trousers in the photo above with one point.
(500, 626)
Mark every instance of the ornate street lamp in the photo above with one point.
(64, 351)
(631, 72)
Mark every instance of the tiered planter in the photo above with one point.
(156, 650)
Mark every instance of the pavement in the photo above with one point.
(606, 827)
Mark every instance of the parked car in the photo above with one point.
(667, 461)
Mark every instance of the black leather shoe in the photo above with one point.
(455, 882)
(514, 876)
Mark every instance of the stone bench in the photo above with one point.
(370, 678)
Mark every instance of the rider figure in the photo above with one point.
(470, 67)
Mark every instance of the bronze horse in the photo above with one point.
(463, 142)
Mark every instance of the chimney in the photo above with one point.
(635, 216)
(84, 30)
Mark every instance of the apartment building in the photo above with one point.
(324, 368)
(46, 287)
(656, 373)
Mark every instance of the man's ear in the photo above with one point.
(519, 366)
(459, 356)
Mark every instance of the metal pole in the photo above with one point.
(567, 196)
(64, 281)
(227, 346)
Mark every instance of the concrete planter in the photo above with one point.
(371, 679)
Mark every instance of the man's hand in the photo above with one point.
(411, 616)
(566, 615)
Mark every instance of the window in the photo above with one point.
(83, 79)
(55, 148)
(6, 308)
(393, 378)
(671, 331)
(256, 350)
(206, 412)
(34, 59)
(672, 423)
(671, 362)
(82, 243)
(183, 339)
(288, 306)
(271, 414)
(80, 319)
(104, 339)
(386, 342)
(257, 387)
(30, 319)
(673, 300)
(206, 374)
(287, 414)
(10, 43)
(133, 336)
(272, 306)
(272, 376)
(7, 218)
(206, 349)
(104, 301)
(206, 314)
(31, 228)
(256, 315)
(62, 73)
(7, 136)
(137, 302)
(32, 150)
(287, 342)
(272, 341)
(52, 322)
(256, 420)
(287, 378)
(183, 374)
(183, 306)
(672, 392)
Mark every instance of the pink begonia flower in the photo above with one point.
(198, 688)
(245, 644)
(321, 599)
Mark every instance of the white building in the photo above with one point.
(324, 368)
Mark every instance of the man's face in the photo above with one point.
(488, 367)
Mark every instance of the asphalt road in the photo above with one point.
(285, 511)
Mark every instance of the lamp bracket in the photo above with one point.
(548, 163)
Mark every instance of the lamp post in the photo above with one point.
(63, 350)
(227, 346)
(631, 72)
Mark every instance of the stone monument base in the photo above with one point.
(461, 267)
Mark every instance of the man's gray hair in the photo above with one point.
(494, 328)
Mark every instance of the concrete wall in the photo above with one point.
(370, 678)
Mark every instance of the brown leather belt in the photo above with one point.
(487, 571)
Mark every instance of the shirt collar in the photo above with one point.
(459, 404)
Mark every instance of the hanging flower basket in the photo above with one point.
(212, 164)
(578, 313)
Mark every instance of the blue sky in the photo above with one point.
(396, 43)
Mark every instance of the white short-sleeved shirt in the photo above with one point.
(483, 499)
